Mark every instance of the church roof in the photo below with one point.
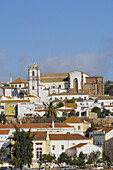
(54, 77)
(19, 80)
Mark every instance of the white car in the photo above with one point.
(100, 167)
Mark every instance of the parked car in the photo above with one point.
(100, 167)
(110, 166)
(4, 168)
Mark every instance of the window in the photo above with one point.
(38, 143)
(60, 97)
(15, 85)
(33, 73)
(8, 111)
(38, 152)
(12, 85)
(38, 149)
(78, 127)
(32, 87)
(62, 147)
(53, 87)
(53, 147)
(12, 112)
(59, 86)
(19, 85)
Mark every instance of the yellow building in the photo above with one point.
(11, 110)
(80, 126)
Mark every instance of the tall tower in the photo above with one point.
(33, 79)
(10, 78)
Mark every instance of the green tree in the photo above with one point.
(22, 147)
(72, 113)
(81, 159)
(3, 154)
(64, 158)
(51, 111)
(96, 110)
(93, 157)
(64, 113)
(70, 101)
(47, 158)
(2, 118)
(90, 129)
(60, 104)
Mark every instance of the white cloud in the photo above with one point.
(91, 63)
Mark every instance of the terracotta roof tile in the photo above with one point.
(31, 96)
(43, 125)
(72, 120)
(106, 129)
(108, 139)
(4, 132)
(67, 137)
(78, 145)
(19, 80)
(40, 135)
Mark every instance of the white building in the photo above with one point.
(85, 148)
(73, 84)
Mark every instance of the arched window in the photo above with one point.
(33, 73)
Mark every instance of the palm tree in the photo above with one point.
(51, 111)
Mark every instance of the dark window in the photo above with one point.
(33, 73)
(59, 86)
(62, 147)
(32, 87)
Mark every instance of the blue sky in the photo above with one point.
(59, 35)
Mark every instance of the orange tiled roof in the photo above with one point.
(108, 105)
(3, 83)
(67, 137)
(43, 125)
(108, 139)
(31, 96)
(4, 132)
(72, 120)
(106, 129)
(40, 135)
(78, 145)
(26, 87)
(19, 80)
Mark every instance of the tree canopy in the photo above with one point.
(51, 111)
(3, 153)
(93, 157)
(22, 147)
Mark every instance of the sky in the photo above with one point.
(59, 35)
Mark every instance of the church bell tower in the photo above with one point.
(33, 79)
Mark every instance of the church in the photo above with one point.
(72, 83)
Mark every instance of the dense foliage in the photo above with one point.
(47, 158)
(51, 111)
(60, 104)
(2, 118)
(101, 114)
(93, 157)
(22, 147)
(3, 154)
